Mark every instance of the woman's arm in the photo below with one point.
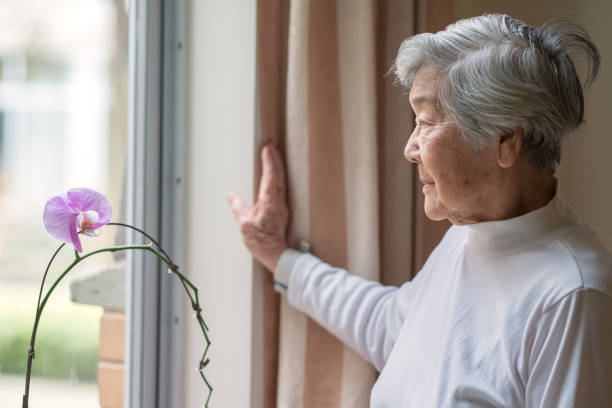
(365, 315)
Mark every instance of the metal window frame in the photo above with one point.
(156, 199)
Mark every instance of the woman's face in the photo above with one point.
(458, 182)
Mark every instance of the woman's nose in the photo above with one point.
(412, 152)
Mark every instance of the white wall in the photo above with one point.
(586, 166)
(221, 49)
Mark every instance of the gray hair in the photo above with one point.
(498, 74)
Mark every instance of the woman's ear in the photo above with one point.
(509, 149)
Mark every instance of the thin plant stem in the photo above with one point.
(172, 265)
(162, 255)
(42, 284)
(33, 337)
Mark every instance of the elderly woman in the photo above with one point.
(514, 306)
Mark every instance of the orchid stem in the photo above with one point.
(162, 255)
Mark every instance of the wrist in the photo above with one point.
(271, 260)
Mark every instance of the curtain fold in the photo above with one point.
(270, 116)
(332, 164)
(395, 23)
(325, 98)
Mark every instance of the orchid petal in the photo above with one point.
(85, 199)
(80, 220)
(74, 235)
(59, 218)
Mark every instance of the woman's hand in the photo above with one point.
(263, 226)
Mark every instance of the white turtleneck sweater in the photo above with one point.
(513, 313)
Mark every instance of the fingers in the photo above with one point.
(279, 168)
(240, 209)
(273, 174)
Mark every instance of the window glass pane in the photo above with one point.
(63, 113)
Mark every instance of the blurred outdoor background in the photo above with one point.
(63, 112)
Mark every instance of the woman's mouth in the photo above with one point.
(427, 185)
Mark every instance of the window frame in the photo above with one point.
(155, 199)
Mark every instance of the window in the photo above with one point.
(63, 113)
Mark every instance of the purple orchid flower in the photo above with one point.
(79, 211)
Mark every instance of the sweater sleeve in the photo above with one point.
(571, 359)
(365, 315)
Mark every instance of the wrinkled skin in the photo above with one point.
(458, 182)
(264, 225)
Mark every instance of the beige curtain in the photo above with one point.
(325, 97)
(331, 159)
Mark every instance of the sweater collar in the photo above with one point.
(523, 231)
